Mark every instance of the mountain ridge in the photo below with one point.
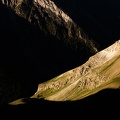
(86, 77)
(89, 79)
(40, 46)
(100, 20)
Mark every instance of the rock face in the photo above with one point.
(43, 42)
(102, 25)
(89, 77)
(47, 4)
(52, 20)
(46, 17)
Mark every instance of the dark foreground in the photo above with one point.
(105, 104)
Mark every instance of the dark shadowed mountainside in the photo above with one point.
(31, 53)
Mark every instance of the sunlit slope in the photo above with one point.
(101, 71)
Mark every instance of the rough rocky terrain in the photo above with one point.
(94, 75)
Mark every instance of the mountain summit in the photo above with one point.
(51, 20)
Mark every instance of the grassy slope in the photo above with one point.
(72, 85)
(72, 91)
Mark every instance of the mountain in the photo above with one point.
(93, 87)
(53, 64)
(99, 72)
(99, 19)
(39, 41)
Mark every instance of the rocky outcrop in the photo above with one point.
(52, 20)
(47, 4)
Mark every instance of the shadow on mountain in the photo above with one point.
(99, 19)
(29, 57)
(105, 103)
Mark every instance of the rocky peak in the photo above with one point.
(48, 4)
(46, 15)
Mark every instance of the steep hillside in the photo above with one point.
(101, 71)
(92, 88)
(99, 19)
(51, 20)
